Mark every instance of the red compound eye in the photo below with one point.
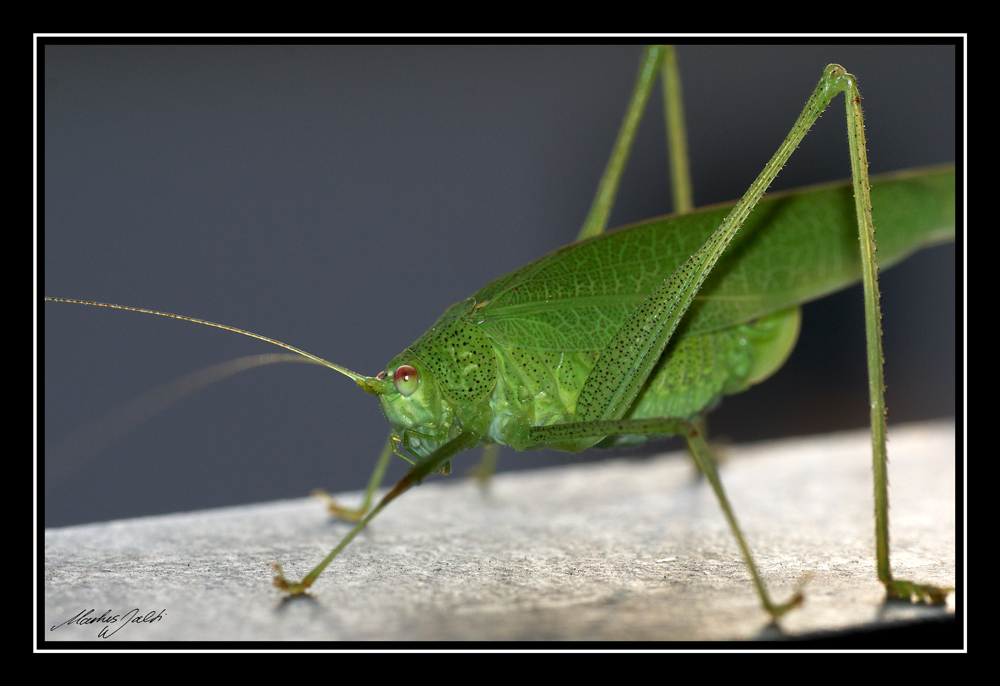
(405, 379)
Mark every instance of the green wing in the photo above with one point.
(793, 248)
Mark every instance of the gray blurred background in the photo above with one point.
(339, 198)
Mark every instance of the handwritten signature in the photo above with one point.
(108, 619)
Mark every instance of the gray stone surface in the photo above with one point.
(620, 550)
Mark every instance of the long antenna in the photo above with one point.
(367, 383)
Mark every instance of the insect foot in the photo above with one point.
(917, 593)
(294, 588)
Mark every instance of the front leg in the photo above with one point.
(428, 465)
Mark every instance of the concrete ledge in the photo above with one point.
(618, 550)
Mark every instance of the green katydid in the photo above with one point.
(793, 163)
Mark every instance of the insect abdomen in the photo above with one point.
(540, 387)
